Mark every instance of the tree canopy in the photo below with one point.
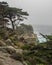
(11, 13)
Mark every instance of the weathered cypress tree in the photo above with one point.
(11, 13)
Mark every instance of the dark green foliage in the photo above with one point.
(49, 37)
(27, 28)
(40, 54)
(27, 47)
(13, 14)
(23, 29)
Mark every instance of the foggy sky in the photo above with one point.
(40, 11)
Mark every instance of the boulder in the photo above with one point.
(5, 59)
(9, 42)
(10, 49)
(24, 63)
(1, 62)
(20, 51)
(2, 43)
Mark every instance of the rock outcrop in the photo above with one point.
(5, 59)
(29, 38)
(2, 43)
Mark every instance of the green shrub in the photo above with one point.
(26, 47)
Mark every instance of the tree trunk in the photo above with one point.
(13, 25)
(12, 22)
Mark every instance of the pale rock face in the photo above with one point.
(2, 43)
(9, 42)
(6, 60)
(29, 38)
(19, 51)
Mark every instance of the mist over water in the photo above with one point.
(44, 29)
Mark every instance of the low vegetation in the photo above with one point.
(20, 43)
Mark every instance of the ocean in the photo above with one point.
(44, 29)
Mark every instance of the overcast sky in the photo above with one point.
(40, 11)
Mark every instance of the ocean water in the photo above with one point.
(44, 29)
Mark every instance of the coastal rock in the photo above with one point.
(2, 43)
(1, 62)
(25, 63)
(29, 38)
(5, 59)
(20, 51)
(10, 49)
(9, 42)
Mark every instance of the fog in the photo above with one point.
(40, 11)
